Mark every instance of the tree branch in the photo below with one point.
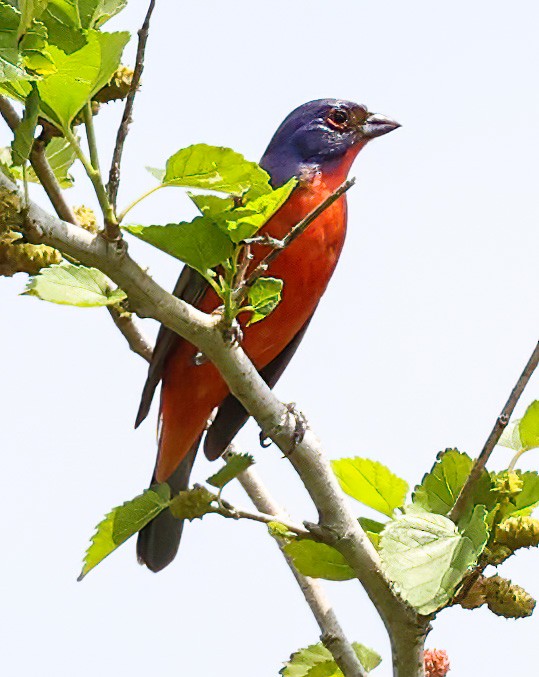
(338, 524)
(41, 166)
(123, 130)
(132, 333)
(493, 438)
(332, 636)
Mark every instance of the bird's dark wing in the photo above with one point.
(190, 287)
(231, 416)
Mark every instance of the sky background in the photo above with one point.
(428, 321)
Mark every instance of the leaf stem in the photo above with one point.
(90, 135)
(95, 177)
(122, 215)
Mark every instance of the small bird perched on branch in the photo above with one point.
(317, 143)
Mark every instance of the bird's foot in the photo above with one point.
(233, 334)
(300, 428)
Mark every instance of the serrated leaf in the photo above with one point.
(319, 560)
(216, 168)
(63, 25)
(440, 487)
(192, 503)
(263, 297)
(529, 427)
(510, 437)
(199, 243)
(79, 75)
(30, 10)
(317, 661)
(94, 13)
(24, 134)
(71, 285)
(244, 222)
(235, 464)
(426, 556)
(371, 483)
(123, 522)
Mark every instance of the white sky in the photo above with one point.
(428, 321)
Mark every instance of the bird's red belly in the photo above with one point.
(189, 392)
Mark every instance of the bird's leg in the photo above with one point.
(267, 241)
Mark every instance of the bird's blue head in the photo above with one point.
(326, 132)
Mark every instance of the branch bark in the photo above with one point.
(338, 525)
(495, 434)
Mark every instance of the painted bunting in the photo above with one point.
(316, 143)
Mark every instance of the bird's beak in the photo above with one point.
(378, 125)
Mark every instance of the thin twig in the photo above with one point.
(41, 166)
(495, 434)
(228, 510)
(292, 235)
(332, 636)
(114, 174)
(132, 333)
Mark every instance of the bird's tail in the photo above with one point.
(159, 541)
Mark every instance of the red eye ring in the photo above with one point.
(338, 118)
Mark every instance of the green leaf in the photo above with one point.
(371, 483)
(318, 560)
(34, 49)
(72, 285)
(440, 487)
(263, 297)
(94, 13)
(317, 661)
(199, 243)
(122, 523)
(62, 19)
(60, 156)
(510, 437)
(216, 168)
(235, 464)
(529, 427)
(30, 10)
(14, 52)
(207, 204)
(80, 75)
(24, 134)
(243, 222)
(192, 503)
(158, 174)
(373, 529)
(426, 556)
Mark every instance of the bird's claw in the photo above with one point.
(300, 424)
(300, 428)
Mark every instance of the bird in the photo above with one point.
(317, 144)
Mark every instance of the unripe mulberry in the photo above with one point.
(518, 532)
(22, 257)
(508, 484)
(507, 599)
(86, 218)
(118, 86)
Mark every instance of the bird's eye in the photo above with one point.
(338, 118)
